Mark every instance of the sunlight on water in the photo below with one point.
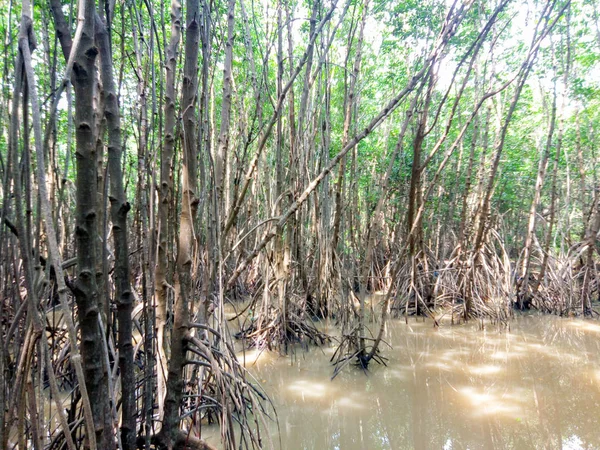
(536, 386)
(573, 443)
(486, 369)
(308, 389)
(485, 402)
(251, 357)
(585, 326)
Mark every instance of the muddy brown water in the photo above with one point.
(535, 386)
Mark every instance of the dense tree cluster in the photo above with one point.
(162, 160)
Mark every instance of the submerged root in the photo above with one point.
(274, 328)
(464, 286)
(356, 347)
(566, 287)
(349, 351)
(182, 442)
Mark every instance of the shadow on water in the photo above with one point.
(536, 386)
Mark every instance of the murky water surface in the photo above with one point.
(536, 386)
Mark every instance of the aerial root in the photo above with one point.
(220, 393)
(272, 329)
(349, 351)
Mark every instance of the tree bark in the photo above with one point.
(86, 288)
(221, 165)
(119, 207)
(165, 195)
(185, 256)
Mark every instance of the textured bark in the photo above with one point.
(185, 255)
(86, 289)
(62, 28)
(221, 164)
(165, 194)
(118, 211)
(97, 418)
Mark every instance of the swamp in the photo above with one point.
(299, 224)
(535, 386)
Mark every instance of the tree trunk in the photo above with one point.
(221, 164)
(86, 289)
(165, 196)
(189, 205)
(119, 208)
(523, 284)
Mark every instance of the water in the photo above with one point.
(536, 386)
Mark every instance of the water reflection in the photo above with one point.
(536, 386)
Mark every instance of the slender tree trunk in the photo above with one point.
(414, 231)
(221, 164)
(376, 221)
(543, 164)
(498, 147)
(462, 228)
(555, 163)
(119, 209)
(541, 33)
(165, 196)
(581, 164)
(341, 175)
(237, 203)
(23, 224)
(189, 205)
(309, 189)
